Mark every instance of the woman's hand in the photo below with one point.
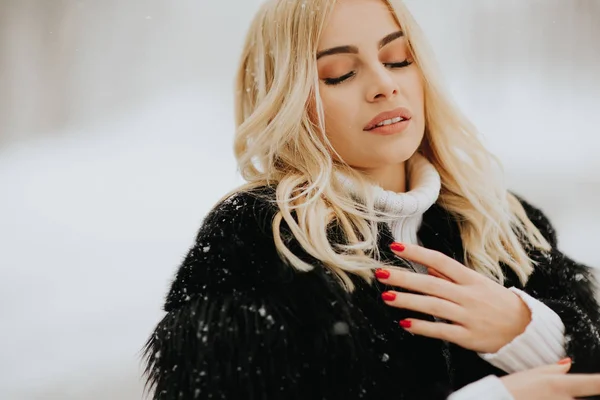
(550, 382)
(484, 316)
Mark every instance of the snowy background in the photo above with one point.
(116, 138)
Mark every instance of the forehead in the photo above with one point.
(356, 22)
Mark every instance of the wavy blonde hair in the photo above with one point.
(280, 140)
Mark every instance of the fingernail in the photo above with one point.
(388, 296)
(565, 361)
(405, 323)
(382, 274)
(397, 247)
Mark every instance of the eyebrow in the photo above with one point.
(354, 50)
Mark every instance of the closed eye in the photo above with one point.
(402, 64)
(337, 81)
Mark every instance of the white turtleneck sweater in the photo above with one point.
(542, 342)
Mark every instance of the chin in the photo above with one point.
(394, 155)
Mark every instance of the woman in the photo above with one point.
(374, 252)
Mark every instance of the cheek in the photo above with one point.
(340, 117)
(339, 111)
(416, 92)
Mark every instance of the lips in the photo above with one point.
(399, 112)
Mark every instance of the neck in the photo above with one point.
(390, 177)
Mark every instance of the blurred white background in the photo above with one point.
(116, 138)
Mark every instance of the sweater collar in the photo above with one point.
(424, 189)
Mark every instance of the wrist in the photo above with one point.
(524, 313)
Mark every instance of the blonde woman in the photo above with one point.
(374, 252)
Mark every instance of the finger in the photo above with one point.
(436, 260)
(581, 385)
(421, 283)
(561, 367)
(437, 330)
(433, 272)
(426, 304)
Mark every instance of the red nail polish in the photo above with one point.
(405, 323)
(382, 274)
(565, 361)
(397, 246)
(388, 296)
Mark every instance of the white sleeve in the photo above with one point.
(488, 388)
(542, 343)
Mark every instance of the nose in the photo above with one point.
(382, 85)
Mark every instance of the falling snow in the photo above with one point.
(141, 137)
(341, 328)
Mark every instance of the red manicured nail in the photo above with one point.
(405, 323)
(382, 274)
(397, 246)
(388, 296)
(565, 361)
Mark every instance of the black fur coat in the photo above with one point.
(241, 324)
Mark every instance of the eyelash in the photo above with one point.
(337, 81)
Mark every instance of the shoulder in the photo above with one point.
(539, 219)
(243, 214)
(234, 250)
(556, 275)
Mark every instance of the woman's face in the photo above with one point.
(366, 76)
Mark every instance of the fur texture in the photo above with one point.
(241, 324)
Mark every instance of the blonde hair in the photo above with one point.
(280, 140)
